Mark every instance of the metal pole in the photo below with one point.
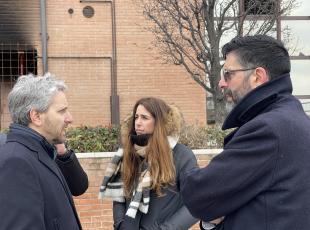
(43, 34)
(115, 116)
(114, 98)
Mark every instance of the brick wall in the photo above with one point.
(96, 214)
(80, 51)
(140, 71)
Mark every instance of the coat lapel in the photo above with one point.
(43, 157)
(52, 166)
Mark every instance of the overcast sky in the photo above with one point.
(301, 33)
(304, 8)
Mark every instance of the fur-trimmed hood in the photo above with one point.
(173, 124)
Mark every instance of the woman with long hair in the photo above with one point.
(143, 179)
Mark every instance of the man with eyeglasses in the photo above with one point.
(260, 181)
(38, 174)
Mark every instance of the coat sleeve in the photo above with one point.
(21, 200)
(185, 161)
(235, 176)
(73, 172)
(182, 219)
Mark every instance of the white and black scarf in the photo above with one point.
(112, 186)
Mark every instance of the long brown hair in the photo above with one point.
(158, 152)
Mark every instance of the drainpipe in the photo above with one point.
(115, 117)
(43, 34)
(114, 98)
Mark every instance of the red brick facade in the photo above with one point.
(79, 51)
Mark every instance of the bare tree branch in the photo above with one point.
(189, 32)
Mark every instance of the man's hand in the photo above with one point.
(218, 220)
(61, 149)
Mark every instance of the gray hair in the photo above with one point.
(31, 92)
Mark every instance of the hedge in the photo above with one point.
(106, 138)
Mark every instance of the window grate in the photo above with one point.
(16, 60)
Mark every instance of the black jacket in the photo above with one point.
(33, 193)
(261, 179)
(167, 212)
(70, 167)
(73, 172)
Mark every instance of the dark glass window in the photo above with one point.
(259, 7)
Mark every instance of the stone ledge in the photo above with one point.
(111, 154)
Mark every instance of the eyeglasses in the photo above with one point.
(227, 74)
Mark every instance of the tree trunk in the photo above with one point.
(220, 111)
(220, 108)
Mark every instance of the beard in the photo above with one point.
(59, 136)
(238, 94)
(56, 134)
(59, 141)
(232, 98)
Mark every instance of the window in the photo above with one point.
(302, 8)
(299, 75)
(259, 7)
(297, 39)
(16, 60)
(301, 86)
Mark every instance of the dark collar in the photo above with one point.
(257, 100)
(18, 132)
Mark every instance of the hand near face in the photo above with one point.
(218, 220)
(61, 149)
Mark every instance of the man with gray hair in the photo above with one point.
(35, 185)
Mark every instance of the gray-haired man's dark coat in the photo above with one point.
(34, 193)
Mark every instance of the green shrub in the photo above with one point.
(93, 139)
(4, 131)
(106, 139)
(202, 137)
